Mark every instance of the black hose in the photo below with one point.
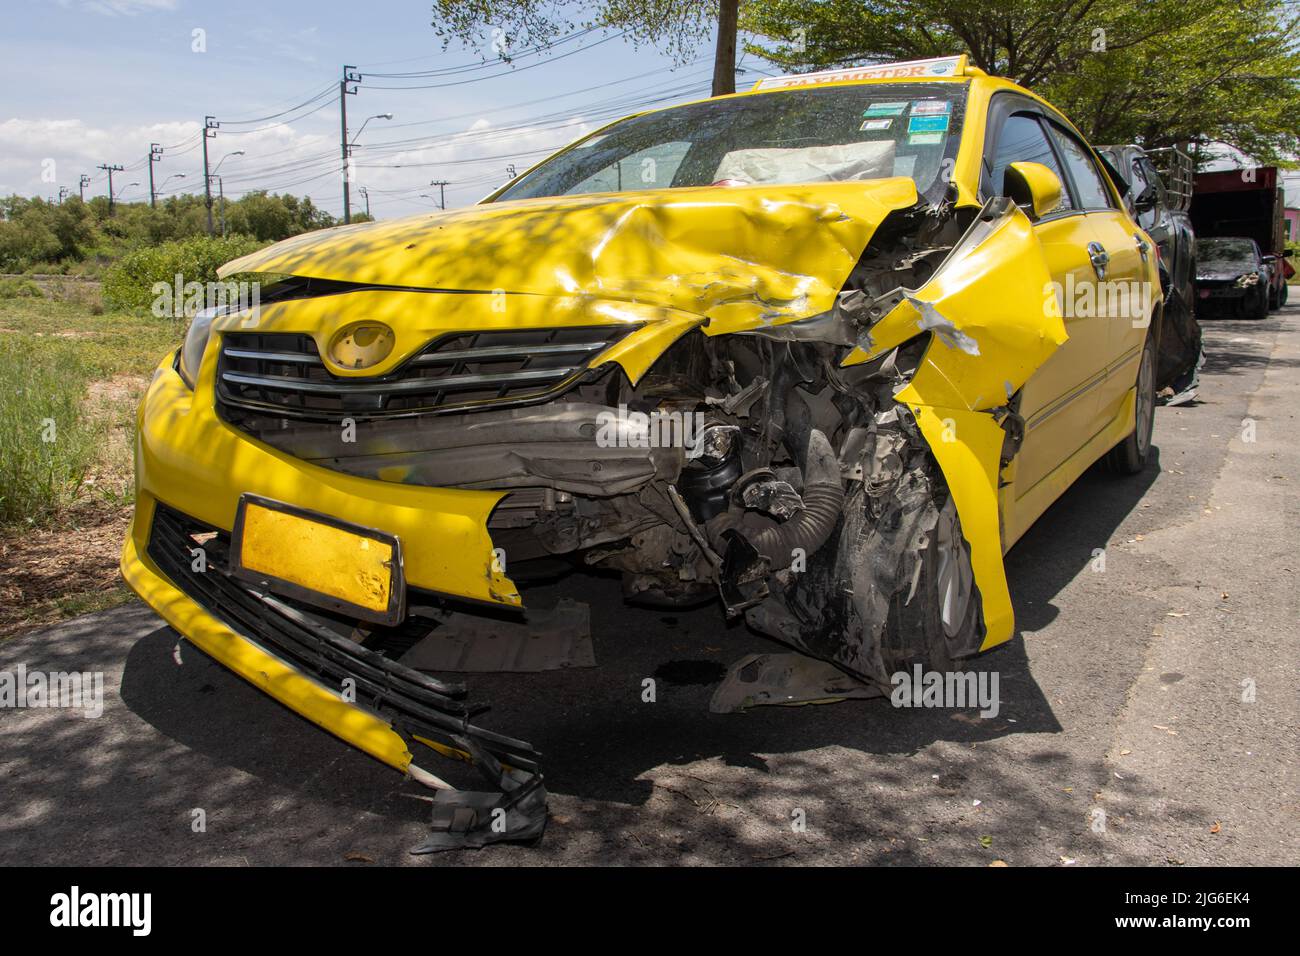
(823, 499)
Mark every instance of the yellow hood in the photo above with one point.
(741, 256)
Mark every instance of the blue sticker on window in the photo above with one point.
(927, 124)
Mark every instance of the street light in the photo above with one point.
(382, 116)
(221, 188)
(347, 160)
(170, 178)
(238, 152)
(125, 188)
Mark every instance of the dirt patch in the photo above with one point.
(49, 574)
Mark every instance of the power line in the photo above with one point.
(509, 72)
(262, 119)
(470, 67)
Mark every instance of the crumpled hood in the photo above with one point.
(743, 256)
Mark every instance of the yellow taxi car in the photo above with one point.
(823, 350)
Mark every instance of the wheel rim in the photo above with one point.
(953, 575)
(1146, 404)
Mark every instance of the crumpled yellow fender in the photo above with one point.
(993, 326)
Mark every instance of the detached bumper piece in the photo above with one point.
(420, 707)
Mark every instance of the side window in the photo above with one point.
(1147, 218)
(1083, 170)
(651, 168)
(1022, 140)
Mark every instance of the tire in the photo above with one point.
(1274, 299)
(1129, 457)
(941, 623)
(1283, 295)
(1260, 309)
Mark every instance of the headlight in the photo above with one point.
(196, 340)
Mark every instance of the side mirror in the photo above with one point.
(1146, 199)
(1033, 187)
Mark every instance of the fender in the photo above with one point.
(994, 321)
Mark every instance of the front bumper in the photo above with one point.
(192, 467)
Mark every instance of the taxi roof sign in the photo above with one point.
(910, 69)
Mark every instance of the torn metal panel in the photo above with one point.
(545, 640)
(991, 305)
(1000, 322)
(785, 680)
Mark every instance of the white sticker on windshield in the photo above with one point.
(872, 124)
(930, 107)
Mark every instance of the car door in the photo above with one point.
(1124, 298)
(1059, 403)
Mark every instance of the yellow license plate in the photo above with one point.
(319, 559)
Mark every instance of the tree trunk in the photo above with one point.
(724, 60)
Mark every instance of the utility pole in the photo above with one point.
(155, 154)
(210, 127)
(350, 75)
(366, 195)
(63, 193)
(81, 186)
(442, 185)
(110, 170)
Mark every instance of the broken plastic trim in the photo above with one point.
(470, 819)
(418, 706)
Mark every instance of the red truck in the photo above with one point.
(1246, 203)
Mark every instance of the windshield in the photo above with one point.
(807, 135)
(1215, 254)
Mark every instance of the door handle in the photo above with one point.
(1100, 258)
(1144, 247)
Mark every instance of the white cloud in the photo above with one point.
(301, 158)
(122, 8)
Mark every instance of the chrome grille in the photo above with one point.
(282, 375)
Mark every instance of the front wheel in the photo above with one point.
(1130, 456)
(1259, 309)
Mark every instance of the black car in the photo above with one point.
(1232, 278)
(1157, 187)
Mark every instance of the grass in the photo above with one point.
(71, 376)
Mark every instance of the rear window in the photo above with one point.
(807, 135)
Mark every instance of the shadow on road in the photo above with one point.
(610, 750)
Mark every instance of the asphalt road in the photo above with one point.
(1149, 711)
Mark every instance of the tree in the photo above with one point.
(675, 26)
(1154, 71)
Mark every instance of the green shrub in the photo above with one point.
(47, 446)
(129, 283)
(20, 289)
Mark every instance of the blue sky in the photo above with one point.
(95, 81)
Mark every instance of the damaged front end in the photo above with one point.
(818, 446)
(833, 478)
